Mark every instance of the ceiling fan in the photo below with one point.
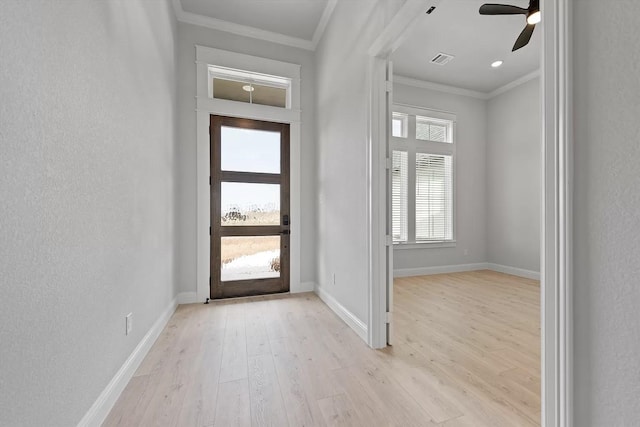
(532, 13)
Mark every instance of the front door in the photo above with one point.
(249, 207)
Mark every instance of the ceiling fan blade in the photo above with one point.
(524, 37)
(501, 9)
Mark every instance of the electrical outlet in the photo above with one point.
(129, 323)
(466, 252)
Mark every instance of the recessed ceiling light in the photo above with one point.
(248, 88)
(496, 64)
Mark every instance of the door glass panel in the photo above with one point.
(252, 257)
(249, 150)
(250, 204)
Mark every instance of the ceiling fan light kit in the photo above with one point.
(532, 14)
(534, 18)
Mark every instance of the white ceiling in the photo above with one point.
(293, 18)
(455, 27)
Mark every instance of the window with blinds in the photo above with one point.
(399, 193)
(434, 205)
(422, 191)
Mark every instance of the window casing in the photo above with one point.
(422, 176)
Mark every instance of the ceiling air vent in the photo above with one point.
(441, 58)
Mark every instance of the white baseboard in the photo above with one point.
(457, 268)
(102, 406)
(303, 287)
(347, 317)
(528, 274)
(425, 271)
(187, 298)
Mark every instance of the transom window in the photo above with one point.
(245, 86)
(430, 129)
(422, 192)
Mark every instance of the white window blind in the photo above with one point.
(428, 129)
(434, 204)
(399, 193)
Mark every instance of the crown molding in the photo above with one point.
(256, 33)
(513, 84)
(322, 24)
(423, 84)
(395, 32)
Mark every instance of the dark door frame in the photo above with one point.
(238, 288)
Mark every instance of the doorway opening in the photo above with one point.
(250, 207)
(556, 190)
(451, 298)
(465, 203)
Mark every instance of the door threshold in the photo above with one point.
(274, 295)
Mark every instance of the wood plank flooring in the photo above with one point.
(467, 353)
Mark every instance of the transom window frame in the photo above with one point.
(409, 143)
(250, 78)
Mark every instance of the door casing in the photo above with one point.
(205, 106)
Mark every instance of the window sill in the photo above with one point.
(425, 245)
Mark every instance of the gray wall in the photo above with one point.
(342, 96)
(497, 178)
(188, 37)
(513, 177)
(470, 189)
(87, 187)
(606, 219)
(341, 149)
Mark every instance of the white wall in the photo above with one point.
(341, 154)
(342, 113)
(606, 212)
(188, 37)
(87, 187)
(513, 177)
(470, 189)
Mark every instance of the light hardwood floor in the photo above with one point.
(467, 353)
